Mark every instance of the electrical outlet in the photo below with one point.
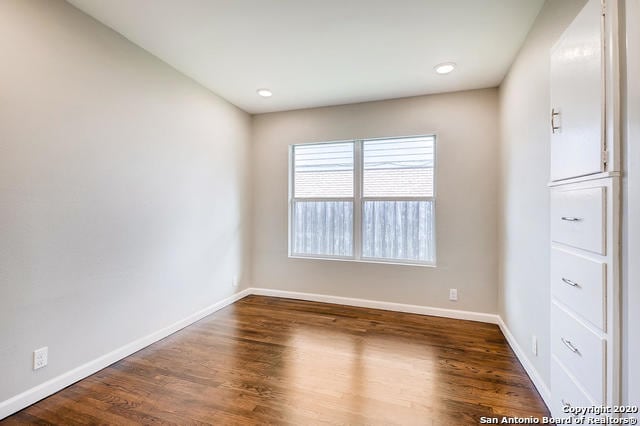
(453, 294)
(534, 345)
(234, 281)
(40, 357)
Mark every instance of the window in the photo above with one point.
(368, 200)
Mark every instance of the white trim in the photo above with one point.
(403, 198)
(611, 83)
(603, 175)
(395, 262)
(376, 304)
(43, 390)
(631, 212)
(292, 167)
(30, 396)
(358, 201)
(528, 366)
(321, 199)
(322, 257)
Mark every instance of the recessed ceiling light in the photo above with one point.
(265, 93)
(445, 67)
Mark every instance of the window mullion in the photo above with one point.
(357, 200)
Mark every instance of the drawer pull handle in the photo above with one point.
(570, 345)
(571, 219)
(571, 283)
(554, 114)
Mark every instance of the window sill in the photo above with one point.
(375, 261)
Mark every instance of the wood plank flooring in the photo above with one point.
(268, 360)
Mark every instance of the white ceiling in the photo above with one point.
(325, 52)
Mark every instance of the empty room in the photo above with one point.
(304, 212)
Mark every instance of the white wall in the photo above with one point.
(524, 196)
(466, 125)
(123, 192)
(631, 214)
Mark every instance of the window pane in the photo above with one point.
(400, 167)
(323, 170)
(323, 228)
(400, 230)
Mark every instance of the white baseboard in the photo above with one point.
(376, 304)
(423, 310)
(52, 386)
(526, 363)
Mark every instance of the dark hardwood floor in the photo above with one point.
(267, 360)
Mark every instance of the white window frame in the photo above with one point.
(358, 201)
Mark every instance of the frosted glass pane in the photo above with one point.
(323, 170)
(399, 230)
(322, 228)
(400, 167)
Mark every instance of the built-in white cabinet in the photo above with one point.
(584, 214)
(579, 283)
(580, 350)
(576, 117)
(578, 218)
(584, 289)
(566, 391)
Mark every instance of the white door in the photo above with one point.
(577, 99)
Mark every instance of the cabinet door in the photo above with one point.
(577, 98)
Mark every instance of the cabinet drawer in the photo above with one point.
(565, 391)
(578, 218)
(580, 350)
(580, 283)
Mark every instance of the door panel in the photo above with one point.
(577, 97)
